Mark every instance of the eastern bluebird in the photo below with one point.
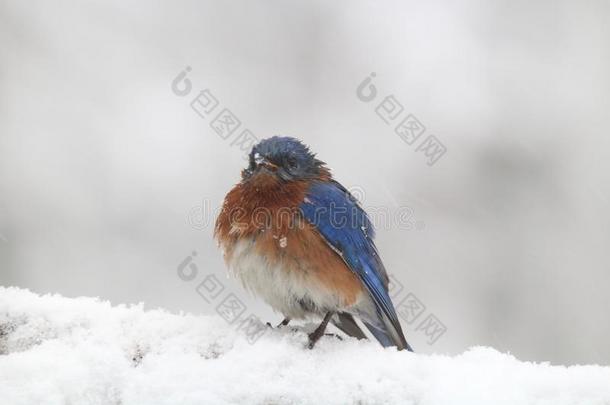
(299, 239)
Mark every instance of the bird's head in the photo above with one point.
(284, 159)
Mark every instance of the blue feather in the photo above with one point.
(347, 229)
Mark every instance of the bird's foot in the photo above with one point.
(334, 335)
(319, 332)
(313, 338)
(279, 325)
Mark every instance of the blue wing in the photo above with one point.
(347, 229)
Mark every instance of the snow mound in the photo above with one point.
(56, 350)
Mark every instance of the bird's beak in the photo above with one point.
(268, 165)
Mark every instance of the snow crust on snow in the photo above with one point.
(56, 350)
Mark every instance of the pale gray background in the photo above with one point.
(100, 163)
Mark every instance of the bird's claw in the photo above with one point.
(279, 325)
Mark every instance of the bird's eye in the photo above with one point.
(292, 163)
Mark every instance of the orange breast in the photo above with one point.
(269, 213)
(302, 249)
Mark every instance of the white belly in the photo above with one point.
(290, 291)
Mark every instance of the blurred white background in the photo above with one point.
(101, 164)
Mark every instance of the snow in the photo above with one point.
(283, 242)
(57, 350)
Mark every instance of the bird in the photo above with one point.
(299, 240)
